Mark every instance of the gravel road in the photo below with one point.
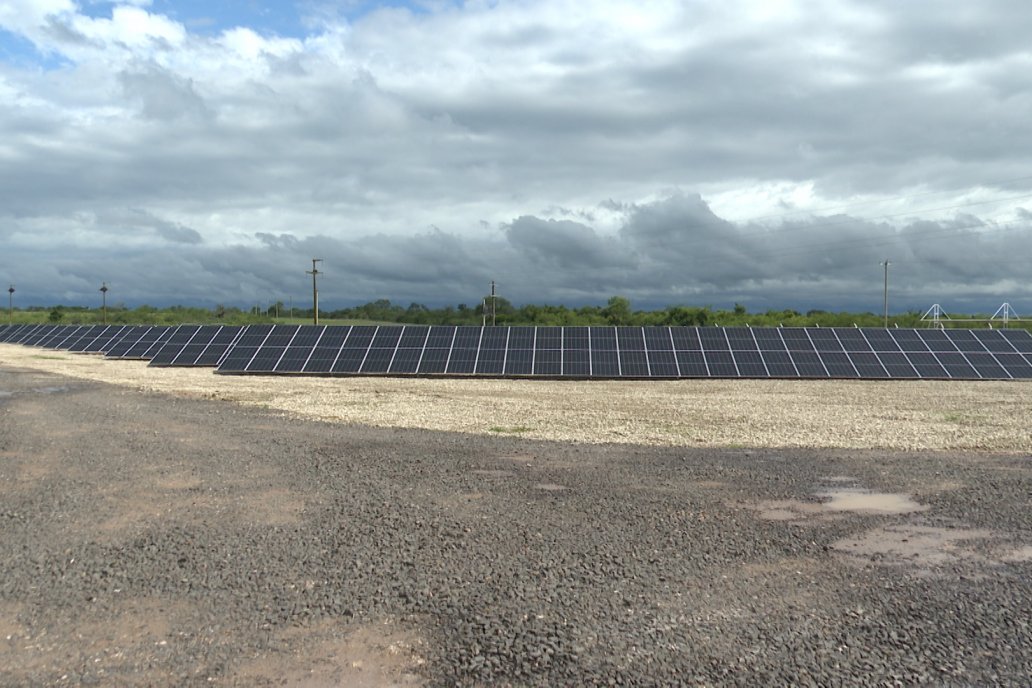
(160, 539)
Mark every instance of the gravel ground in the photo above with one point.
(155, 534)
(705, 413)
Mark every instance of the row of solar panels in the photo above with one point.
(578, 352)
(183, 345)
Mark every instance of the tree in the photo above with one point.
(618, 311)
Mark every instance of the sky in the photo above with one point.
(772, 153)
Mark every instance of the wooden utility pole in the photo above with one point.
(103, 296)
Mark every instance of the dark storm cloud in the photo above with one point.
(217, 166)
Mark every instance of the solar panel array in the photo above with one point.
(556, 352)
(632, 352)
(185, 345)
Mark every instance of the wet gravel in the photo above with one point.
(149, 540)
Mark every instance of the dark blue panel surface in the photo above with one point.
(769, 339)
(964, 340)
(406, 360)
(897, 365)
(378, 360)
(824, 339)
(1021, 340)
(634, 363)
(605, 363)
(1016, 365)
(852, 339)
(750, 364)
(491, 362)
(909, 340)
(880, 339)
(713, 339)
(838, 364)
(994, 341)
(927, 365)
(796, 339)
(434, 360)
(414, 337)
(720, 363)
(779, 364)
(577, 362)
(956, 364)
(548, 362)
(692, 364)
(868, 366)
(630, 339)
(686, 338)
(808, 363)
(519, 362)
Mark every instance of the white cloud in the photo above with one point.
(536, 135)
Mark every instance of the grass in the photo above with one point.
(515, 430)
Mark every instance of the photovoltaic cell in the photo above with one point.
(750, 364)
(824, 339)
(796, 339)
(879, 339)
(852, 339)
(993, 341)
(779, 364)
(839, 364)
(964, 340)
(1021, 340)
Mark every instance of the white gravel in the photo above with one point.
(986, 416)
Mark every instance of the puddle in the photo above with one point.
(835, 503)
(51, 390)
(5, 393)
(865, 501)
(920, 546)
(550, 487)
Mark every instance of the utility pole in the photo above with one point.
(315, 290)
(10, 305)
(493, 308)
(103, 296)
(494, 304)
(885, 293)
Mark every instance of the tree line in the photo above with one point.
(618, 310)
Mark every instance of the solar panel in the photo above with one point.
(685, 352)
(1021, 340)
(150, 343)
(129, 337)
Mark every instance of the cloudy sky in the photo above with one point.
(703, 152)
